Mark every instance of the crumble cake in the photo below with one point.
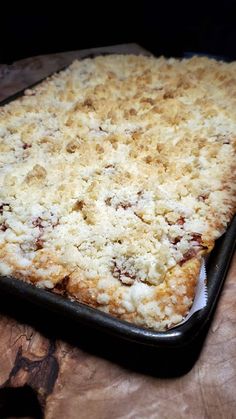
(117, 176)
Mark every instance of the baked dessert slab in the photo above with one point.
(117, 176)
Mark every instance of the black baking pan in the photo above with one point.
(169, 353)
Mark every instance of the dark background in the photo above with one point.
(167, 27)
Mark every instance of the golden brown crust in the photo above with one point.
(117, 176)
(178, 284)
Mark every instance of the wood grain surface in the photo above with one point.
(68, 382)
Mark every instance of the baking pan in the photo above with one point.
(122, 340)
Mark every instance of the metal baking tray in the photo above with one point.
(134, 347)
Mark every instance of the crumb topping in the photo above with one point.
(116, 176)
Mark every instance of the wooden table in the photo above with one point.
(71, 383)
